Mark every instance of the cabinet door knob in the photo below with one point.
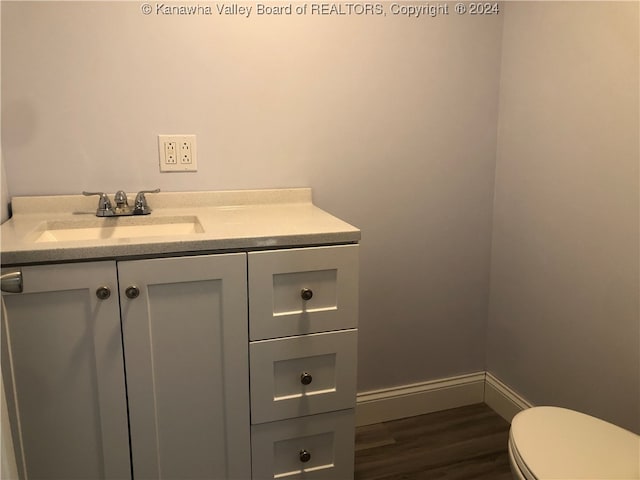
(132, 292)
(304, 456)
(306, 378)
(103, 293)
(306, 293)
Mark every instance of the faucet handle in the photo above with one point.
(140, 206)
(104, 204)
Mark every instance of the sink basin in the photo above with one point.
(114, 228)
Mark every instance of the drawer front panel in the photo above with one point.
(302, 375)
(316, 447)
(298, 291)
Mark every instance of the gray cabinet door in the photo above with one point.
(185, 341)
(62, 368)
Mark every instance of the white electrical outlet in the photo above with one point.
(185, 152)
(177, 153)
(170, 153)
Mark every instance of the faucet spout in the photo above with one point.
(121, 200)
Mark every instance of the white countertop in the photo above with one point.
(230, 220)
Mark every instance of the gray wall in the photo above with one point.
(392, 122)
(564, 325)
(4, 186)
(4, 192)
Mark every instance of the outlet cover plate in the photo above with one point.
(177, 153)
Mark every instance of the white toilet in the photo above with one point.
(555, 443)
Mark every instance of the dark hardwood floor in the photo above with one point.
(466, 443)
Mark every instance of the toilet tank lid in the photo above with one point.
(556, 443)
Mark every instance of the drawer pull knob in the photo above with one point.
(103, 293)
(304, 456)
(132, 292)
(306, 378)
(306, 293)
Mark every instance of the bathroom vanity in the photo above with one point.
(214, 338)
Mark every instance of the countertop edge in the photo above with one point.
(178, 248)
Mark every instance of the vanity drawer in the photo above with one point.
(316, 447)
(303, 375)
(305, 290)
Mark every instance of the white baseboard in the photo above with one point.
(420, 398)
(502, 399)
(417, 399)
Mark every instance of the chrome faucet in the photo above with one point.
(122, 208)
